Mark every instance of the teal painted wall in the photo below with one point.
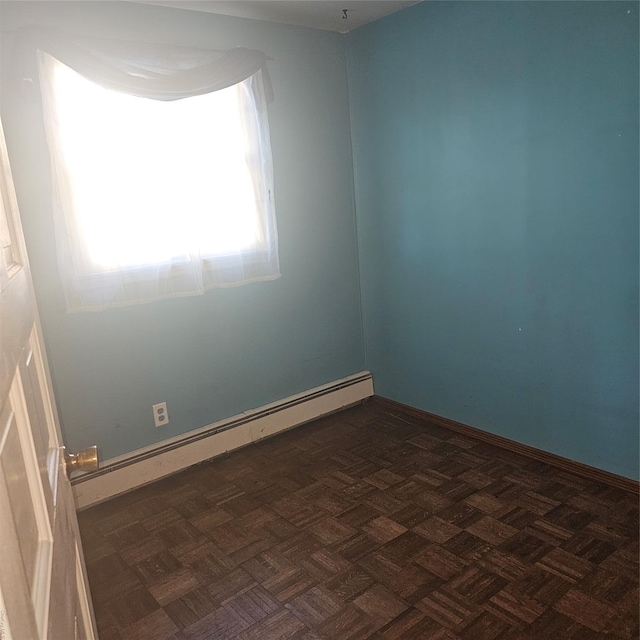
(230, 350)
(495, 153)
(496, 175)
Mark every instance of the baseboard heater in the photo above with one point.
(127, 472)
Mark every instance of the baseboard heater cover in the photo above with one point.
(127, 472)
(553, 460)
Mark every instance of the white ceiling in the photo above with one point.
(319, 14)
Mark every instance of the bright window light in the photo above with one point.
(151, 181)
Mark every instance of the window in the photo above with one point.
(157, 197)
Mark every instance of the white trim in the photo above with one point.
(140, 467)
(88, 625)
(5, 627)
(41, 589)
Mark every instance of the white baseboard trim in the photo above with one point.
(127, 472)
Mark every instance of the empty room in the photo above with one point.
(319, 320)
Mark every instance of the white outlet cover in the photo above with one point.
(160, 414)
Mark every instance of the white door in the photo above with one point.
(43, 586)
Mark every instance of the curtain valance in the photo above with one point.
(143, 69)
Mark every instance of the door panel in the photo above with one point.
(28, 511)
(43, 589)
(44, 439)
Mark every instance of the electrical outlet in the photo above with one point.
(160, 414)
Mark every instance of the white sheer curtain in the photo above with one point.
(194, 214)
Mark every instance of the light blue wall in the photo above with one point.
(496, 173)
(496, 179)
(230, 350)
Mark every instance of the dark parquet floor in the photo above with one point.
(366, 525)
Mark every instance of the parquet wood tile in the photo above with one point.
(366, 525)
